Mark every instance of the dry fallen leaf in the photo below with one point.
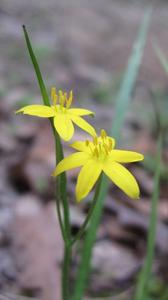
(37, 248)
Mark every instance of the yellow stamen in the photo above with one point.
(55, 99)
(69, 101)
(96, 152)
(88, 144)
(95, 140)
(61, 98)
(65, 96)
(110, 144)
(106, 148)
(53, 93)
(103, 134)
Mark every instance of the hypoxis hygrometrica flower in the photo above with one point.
(97, 156)
(64, 116)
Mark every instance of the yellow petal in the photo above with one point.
(80, 111)
(72, 161)
(42, 111)
(83, 124)
(126, 156)
(80, 146)
(64, 126)
(122, 178)
(87, 178)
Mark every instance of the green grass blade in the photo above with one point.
(122, 105)
(36, 68)
(143, 282)
(124, 96)
(163, 60)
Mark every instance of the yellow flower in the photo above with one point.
(98, 156)
(63, 115)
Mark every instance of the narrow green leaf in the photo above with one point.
(122, 105)
(124, 96)
(36, 68)
(61, 181)
(163, 60)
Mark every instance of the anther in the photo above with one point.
(61, 98)
(96, 152)
(71, 95)
(53, 93)
(60, 94)
(106, 148)
(95, 140)
(103, 134)
(69, 101)
(55, 98)
(87, 143)
(65, 96)
(110, 144)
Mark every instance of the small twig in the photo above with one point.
(9, 296)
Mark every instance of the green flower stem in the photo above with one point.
(58, 204)
(60, 217)
(66, 231)
(142, 287)
(62, 195)
(62, 188)
(66, 272)
(61, 180)
(82, 275)
(88, 217)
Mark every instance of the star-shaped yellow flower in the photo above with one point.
(98, 156)
(63, 115)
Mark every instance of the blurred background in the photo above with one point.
(84, 46)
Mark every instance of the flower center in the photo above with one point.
(61, 101)
(101, 146)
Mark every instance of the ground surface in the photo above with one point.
(82, 45)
